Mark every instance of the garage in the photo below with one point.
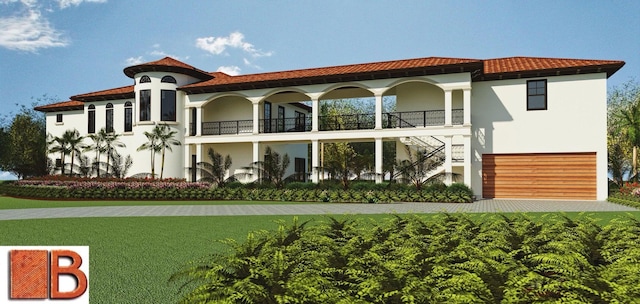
(539, 175)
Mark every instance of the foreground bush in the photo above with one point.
(449, 259)
(137, 189)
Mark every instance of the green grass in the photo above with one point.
(20, 203)
(132, 258)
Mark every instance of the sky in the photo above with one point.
(53, 49)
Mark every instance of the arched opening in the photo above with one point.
(231, 114)
(109, 118)
(285, 111)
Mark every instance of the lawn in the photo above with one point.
(132, 258)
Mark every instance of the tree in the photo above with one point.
(98, 146)
(59, 145)
(417, 167)
(272, 169)
(74, 142)
(165, 139)
(111, 141)
(624, 125)
(24, 144)
(120, 165)
(338, 162)
(215, 171)
(154, 147)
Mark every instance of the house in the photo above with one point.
(518, 127)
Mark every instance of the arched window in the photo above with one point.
(91, 128)
(109, 122)
(144, 79)
(168, 79)
(128, 116)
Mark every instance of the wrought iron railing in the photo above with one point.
(347, 122)
(412, 119)
(285, 125)
(457, 153)
(227, 127)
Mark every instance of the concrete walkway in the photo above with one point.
(231, 210)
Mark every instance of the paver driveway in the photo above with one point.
(230, 210)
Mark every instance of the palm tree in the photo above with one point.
(165, 137)
(59, 146)
(628, 124)
(111, 141)
(214, 171)
(74, 142)
(152, 145)
(98, 146)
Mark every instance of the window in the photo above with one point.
(109, 122)
(168, 79)
(145, 105)
(194, 122)
(280, 119)
(300, 165)
(58, 163)
(128, 116)
(58, 117)
(91, 128)
(267, 117)
(537, 94)
(301, 120)
(144, 79)
(168, 105)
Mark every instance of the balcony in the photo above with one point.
(409, 119)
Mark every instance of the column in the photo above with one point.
(198, 158)
(315, 165)
(447, 108)
(199, 121)
(378, 111)
(467, 160)
(448, 166)
(315, 110)
(466, 105)
(187, 161)
(255, 158)
(378, 155)
(256, 117)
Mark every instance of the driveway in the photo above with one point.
(502, 205)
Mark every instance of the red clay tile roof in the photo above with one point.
(366, 71)
(489, 69)
(167, 64)
(61, 106)
(110, 94)
(502, 68)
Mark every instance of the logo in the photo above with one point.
(38, 274)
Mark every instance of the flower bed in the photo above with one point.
(144, 189)
(628, 195)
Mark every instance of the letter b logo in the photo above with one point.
(43, 273)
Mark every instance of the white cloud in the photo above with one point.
(66, 3)
(231, 70)
(134, 60)
(29, 32)
(218, 45)
(7, 176)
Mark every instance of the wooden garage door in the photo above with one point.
(545, 175)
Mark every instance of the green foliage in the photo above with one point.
(407, 259)
(215, 170)
(23, 145)
(623, 131)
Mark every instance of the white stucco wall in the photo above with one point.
(575, 121)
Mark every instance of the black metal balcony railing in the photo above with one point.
(408, 119)
(412, 119)
(457, 153)
(285, 125)
(347, 122)
(227, 127)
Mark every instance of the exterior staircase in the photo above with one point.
(431, 147)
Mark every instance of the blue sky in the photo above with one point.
(61, 48)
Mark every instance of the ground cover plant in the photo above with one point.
(74, 188)
(450, 258)
(628, 194)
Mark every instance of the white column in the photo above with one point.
(448, 166)
(315, 112)
(255, 158)
(187, 161)
(378, 155)
(378, 111)
(198, 158)
(256, 117)
(447, 108)
(315, 164)
(467, 160)
(199, 121)
(466, 106)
